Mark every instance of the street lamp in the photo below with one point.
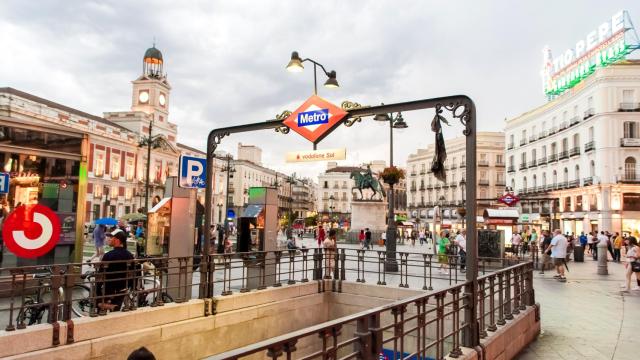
(220, 204)
(291, 180)
(331, 208)
(462, 211)
(295, 65)
(229, 169)
(396, 122)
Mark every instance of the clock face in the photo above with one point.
(143, 97)
(162, 99)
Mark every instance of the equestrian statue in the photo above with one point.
(367, 181)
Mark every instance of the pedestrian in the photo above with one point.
(546, 253)
(617, 245)
(558, 249)
(590, 242)
(461, 241)
(583, 239)
(632, 265)
(367, 239)
(141, 354)
(330, 248)
(413, 238)
(321, 235)
(610, 239)
(443, 252)
(422, 236)
(98, 242)
(383, 238)
(116, 269)
(361, 238)
(516, 240)
(533, 240)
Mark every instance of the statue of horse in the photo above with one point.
(367, 182)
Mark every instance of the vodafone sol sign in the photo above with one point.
(31, 231)
(315, 118)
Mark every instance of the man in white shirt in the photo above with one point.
(590, 242)
(558, 248)
(516, 239)
(461, 241)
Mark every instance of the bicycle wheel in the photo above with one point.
(30, 313)
(81, 300)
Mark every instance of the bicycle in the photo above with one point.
(34, 307)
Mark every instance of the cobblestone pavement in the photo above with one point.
(588, 317)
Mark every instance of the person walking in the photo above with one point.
(367, 239)
(384, 238)
(546, 254)
(583, 240)
(516, 240)
(443, 250)
(632, 265)
(330, 248)
(590, 241)
(98, 242)
(321, 235)
(461, 241)
(617, 245)
(422, 237)
(361, 238)
(558, 249)
(413, 238)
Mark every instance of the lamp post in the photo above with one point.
(331, 207)
(396, 122)
(220, 211)
(295, 65)
(463, 185)
(229, 169)
(291, 180)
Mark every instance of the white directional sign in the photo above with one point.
(193, 172)
(316, 155)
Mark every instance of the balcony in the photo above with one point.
(429, 187)
(630, 142)
(453, 184)
(573, 183)
(591, 145)
(542, 161)
(563, 125)
(543, 134)
(563, 155)
(421, 187)
(500, 183)
(500, 164)
(483, 182)
(574, 120)
(483, 163)
(463, 165)
(423, 171)
(413, 189)
(629, 106)
(454, 166)
(532, 138)
(562, 185)
(587, 181)
(553, 130)
(550, 187)
(533, 163)
(511, 169)
(628, 177)
(413, 173)
(523, 166)
(574, 151)
(552, 158)
(523, 142)
(510, 146)
(589, 113)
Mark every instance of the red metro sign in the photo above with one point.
(315, 118)
(31, 231)
(509, 199)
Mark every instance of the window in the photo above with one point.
(483, 157)
(544, 151)
(533, 155)
(575, 110)
(592, 168)
(554, 149)
(565, 144)
(128, 194)
(544, 179)
(564, 116)
(593, 202)
(544, 125)
(590, 102)
(115, 166)
(523, 158)
(98, 169)
(524, 135)
(511, 139)
(555, 177)
(513, 184)
(567, 203)
(483, 175)
(630, 168)
(524, 183)
(128, 169)
(499, 159)
(500, 177)
(591, 133)
(631, 130)
(97, 191)
(578, 172)
(326, 184)
(535, 181)
(511, 161)
(576, 140)
(566, 175)
(627, 96)
(96, 211)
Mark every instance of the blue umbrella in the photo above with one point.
(107, 221)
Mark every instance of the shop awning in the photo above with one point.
(405, 223)
(501, 214)
(252, 211)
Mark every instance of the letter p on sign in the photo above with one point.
(192, 172)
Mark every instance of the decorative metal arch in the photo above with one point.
(461, 107)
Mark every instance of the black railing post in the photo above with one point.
(363, 345)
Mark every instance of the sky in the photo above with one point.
(225, 61)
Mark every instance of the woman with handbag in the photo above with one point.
(633, 264)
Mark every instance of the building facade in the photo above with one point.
(574, 160)
(424, 191)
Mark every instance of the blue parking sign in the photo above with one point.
(4, 182)
(193, 172)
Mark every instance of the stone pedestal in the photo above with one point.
(368, 214)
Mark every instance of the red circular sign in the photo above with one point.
(31, 231)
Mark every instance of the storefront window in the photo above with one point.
(98, 169)
(115, 167)
(129, 169)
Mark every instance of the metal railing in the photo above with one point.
(591, 145)
(429, 325)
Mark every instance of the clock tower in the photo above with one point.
(151, 90)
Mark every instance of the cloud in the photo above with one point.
(225, 60)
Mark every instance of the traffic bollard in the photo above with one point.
(602, 258)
